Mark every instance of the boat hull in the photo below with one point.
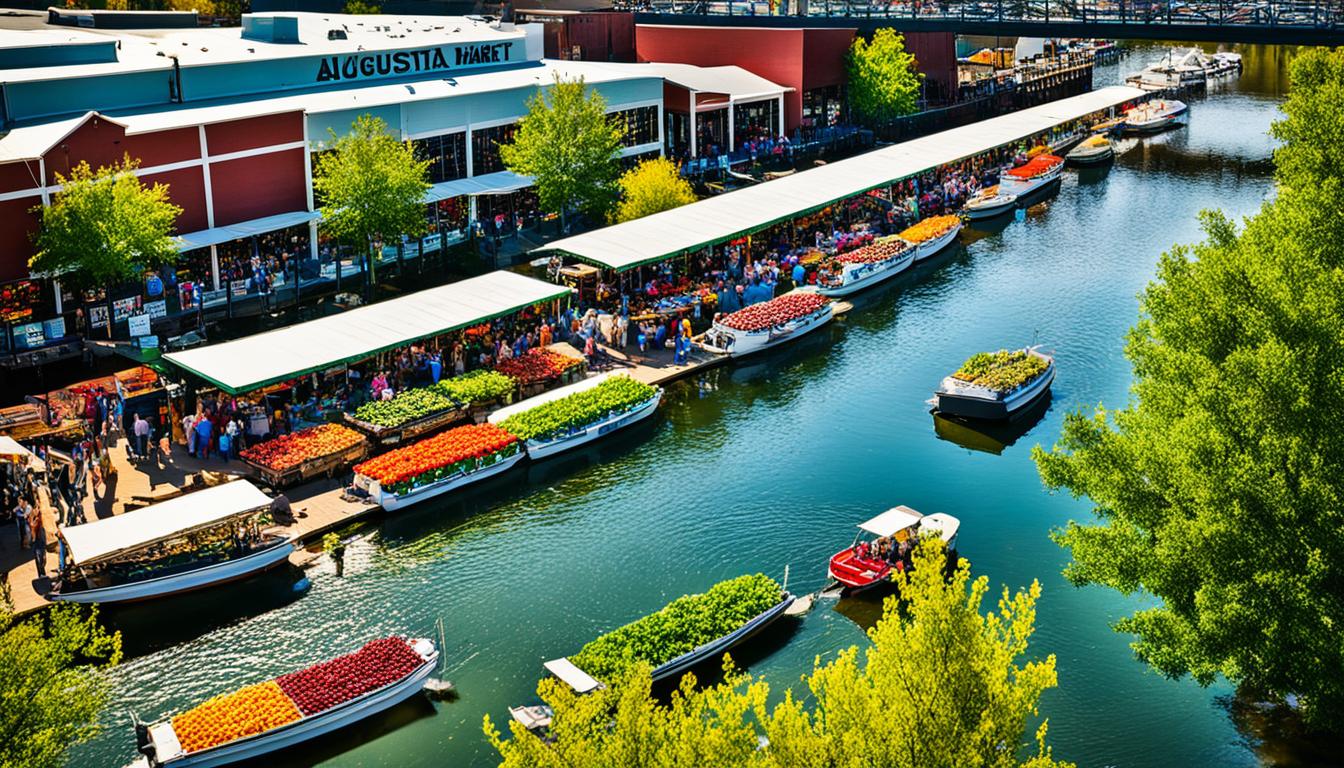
(1025, 187)
(717, 647)
(1085, 159)
(540, 450)
(981, 212)
(1158, 124)
(188, 581)
(392, 501)
(886, 271)
(745, 343)
(971, 407)
(932, 246)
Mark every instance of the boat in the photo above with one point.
(161, 746)
(932, 234)
(866, 267)
(959, 395)
(1095, 151)
(1190, 69)
(199, 539)
(1226, 64)
(884, 543)
(482, 468)
(542, 448)
(1156, 115)
(735, 342)
(989, 203)
(1032, 176)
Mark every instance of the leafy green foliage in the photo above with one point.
(883, 81)
(1219, 488)
(1001, 371)
(477, 386)
(681, 626)
(940, 684)
(650, 187)
(407, 406)
(51, 691)
(567, 144)
(105, 227)
(361, 8)
(559, 417)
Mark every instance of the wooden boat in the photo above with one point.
(854, 277)
(1095, 151)
(197, 540)
(962, 398)
(1033, 176)
(859, 567)
(989, 203)
(391, 501)
(733, 342)
(540, 449)
(1156, 116)
(160, 747)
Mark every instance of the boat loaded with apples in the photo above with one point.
(685, 632)
(990, 202)
(764, 325)
(300, 456)
(884, 544)
(576, 414)
(869, 265)
(932, 235)
(994, 385)
(264, 717)
(1033, 176)
(438, 464)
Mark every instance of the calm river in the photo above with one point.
(769, 464)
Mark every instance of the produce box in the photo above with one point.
(409, 415)
(307, 454)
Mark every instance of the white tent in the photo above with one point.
(135, 529)
(10, 450)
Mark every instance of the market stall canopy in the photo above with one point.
(733, 82)
(243, 230)
(498, 183)
(10, 450)
(132, 530)
(286, 353)
(891, 521)
(726, 217)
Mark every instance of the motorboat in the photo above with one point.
(932, 234)
(769, 324)
(1156, 116)
(538, 448)
(1032, 176)
(865, 267)
(994, 385)
(989, 203)
(1094, 151)
(161, 745)
(1226, 64)
(199, 539)
(1175, 70)
(884, 544)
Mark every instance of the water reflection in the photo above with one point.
(990, 436)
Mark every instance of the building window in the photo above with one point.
(630, 161)
(447, 156)
(641, 125)
(755, 121)
(485, 148)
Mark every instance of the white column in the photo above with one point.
(312, 241)
(56, 284)
(470, 172)
(694, 151)
(214, 264)
(662, 139)
(732, 114)
(781, 114)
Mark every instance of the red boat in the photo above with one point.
(884, 543)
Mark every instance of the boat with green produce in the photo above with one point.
(576, 414)
(481, 388)
(409, 415)
(994, 385)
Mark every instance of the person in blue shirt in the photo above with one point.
(799, 274)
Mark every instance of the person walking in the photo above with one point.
(140, 430)
(21, 512)
(38, 533)
(203, 428)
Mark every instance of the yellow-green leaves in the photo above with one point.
(883, 81)
(650, 187)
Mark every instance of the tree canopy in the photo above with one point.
(105, 226)
(883, 81)
(569, 146)
(51, 691)
(1219, 488)
(652, 186)
(940, 683)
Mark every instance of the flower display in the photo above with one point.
(230, 716)
(325, 685)
(1035, 167)
(1001, 371)
(462, 449)
(616, 394)
(477, 387)
(930, 228)
(881, 250)
(406, 407)
(776, 311)
(288, 451)
(537, 365)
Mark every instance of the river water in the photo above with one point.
(766, 464)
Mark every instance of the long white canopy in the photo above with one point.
(891, 521)
(141, 527)
(285, 353)
(729, 216)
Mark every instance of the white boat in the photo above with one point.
(737, 343)
(1094, 151)
(162, 748)
(861, 566)
(962, 398)
(1156, 115)
(989, 202)
(196, 540)
(855, 277)
(540, 449)
(392, 501)
(1226, 64)
(1036, 174)
(933, 245)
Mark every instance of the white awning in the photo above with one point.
(891, 521)
(571, 675)
(738, 84)
(132, 530)
(500, 183)
(724, 217)
(285, 353)
(10, 449)
(498, 416)
(243, 229)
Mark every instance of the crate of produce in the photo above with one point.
(411, 414)
(320, 451)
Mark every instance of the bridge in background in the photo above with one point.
(1274, 22)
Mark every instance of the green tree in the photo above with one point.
(941, 683)
(883, 81)
(1219, 488)
(105, 227)
(652, 186)
(372, 188)
(359, 7)
(52, 690)
(569, 146)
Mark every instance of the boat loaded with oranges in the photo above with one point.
(263, 717)
(438, 464)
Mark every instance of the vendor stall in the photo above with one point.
(320, 451)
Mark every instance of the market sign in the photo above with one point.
(138, 325)
(365, 66)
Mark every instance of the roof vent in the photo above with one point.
(336, 34)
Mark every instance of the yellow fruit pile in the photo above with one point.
(244, 712)
(930, 228)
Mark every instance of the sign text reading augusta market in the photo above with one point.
(363, 65)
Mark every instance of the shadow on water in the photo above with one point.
(755, 650)
(981, 229)
(334, 744)
(1275, 732)
(865, 608)
(990, 436)
(1094, 175)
